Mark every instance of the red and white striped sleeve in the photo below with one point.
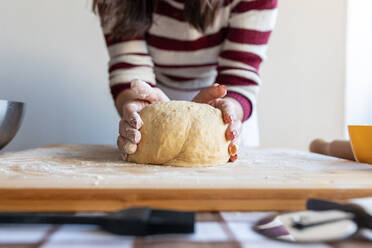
(129, 59)
(250, 25)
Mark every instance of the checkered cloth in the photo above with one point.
(215, 229)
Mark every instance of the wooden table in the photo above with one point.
(94, 178)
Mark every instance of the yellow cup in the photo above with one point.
(361, 142)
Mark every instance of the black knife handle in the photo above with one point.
(45, 218)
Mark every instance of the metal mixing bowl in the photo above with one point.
(11, 114)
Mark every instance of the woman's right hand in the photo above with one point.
(129, 103)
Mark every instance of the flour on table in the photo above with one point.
(101, 166)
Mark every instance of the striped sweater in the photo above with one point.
(178, 56)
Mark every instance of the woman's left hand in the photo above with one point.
(232, 113)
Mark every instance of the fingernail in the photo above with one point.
(233, 149)
(233, 158)
(216, 84)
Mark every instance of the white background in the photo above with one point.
(52, 56)
(359, 63)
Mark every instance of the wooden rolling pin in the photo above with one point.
(337, 148)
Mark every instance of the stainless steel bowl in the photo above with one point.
(11, 114)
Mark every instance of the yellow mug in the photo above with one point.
(361, 142)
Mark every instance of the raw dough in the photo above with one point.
(182, 133)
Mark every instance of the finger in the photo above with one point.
(126, 131)
(141, 89)
(210, 93)
(129, 147)
(135, 120)
(233, 158)
(161, 97)
(120, 144)
(227, 109)
(233, 130)
(124, 156)
(144, 91)
(130, 114)
(126, 146)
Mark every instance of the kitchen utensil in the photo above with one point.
(324, 221)
(361, 141)
(360, 208)
(337, 148)
(308, 226)
(132, 221)
(95, 178)
(10, 120)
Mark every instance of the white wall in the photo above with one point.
(359, 65)
(302, 97)
(52, 56)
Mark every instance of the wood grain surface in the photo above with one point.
(93, 178)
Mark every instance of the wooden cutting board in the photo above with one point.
(93, 178)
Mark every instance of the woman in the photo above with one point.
(207, 51)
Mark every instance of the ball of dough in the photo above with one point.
(181, 133)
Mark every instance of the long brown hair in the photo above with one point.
(134, 17)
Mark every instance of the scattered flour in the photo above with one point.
(97, 166)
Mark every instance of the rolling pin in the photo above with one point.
(337, 148)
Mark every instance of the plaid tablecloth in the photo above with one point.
(215, 229)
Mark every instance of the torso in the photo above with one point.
(194, 65)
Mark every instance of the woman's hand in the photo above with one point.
(232, 113)
(128, 104)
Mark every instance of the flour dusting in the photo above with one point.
(102, 166)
